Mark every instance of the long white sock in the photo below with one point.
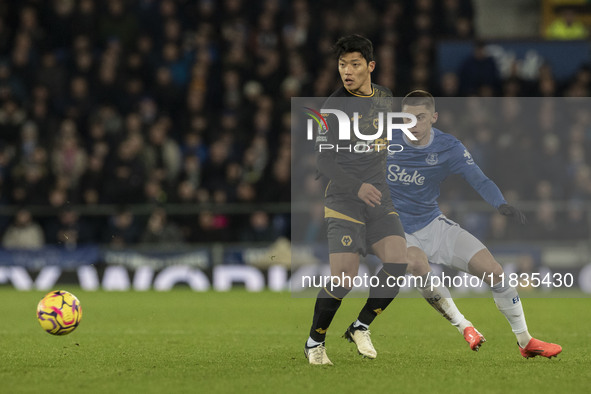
(509, 303)
(440, 299)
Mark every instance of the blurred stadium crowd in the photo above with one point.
(188, 102)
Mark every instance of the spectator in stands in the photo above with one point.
(28, 144)
(277, 186)
(449, 85)
(154, 192)
(12, 118)
(582, 183)
(479, 71)
(57, 198)
(456, 19)
(185, 193)
(160, 230)
(551, 164)
(211, 228)
(11, 85)
(566, 26)
(194, 145)
(68, 230)
(191, 171)
(498, 229)
(53, 75)
(79, 102)
(167, 93)
(258, 228)
(576, 225)
(161, 154)
(122, 229)
(214, 169)
(84, 22)
(30, 184)
(118, 23)
(126, 174)
(69, 159)
(545, 224)
(23, 233)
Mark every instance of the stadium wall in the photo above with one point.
(266, 267)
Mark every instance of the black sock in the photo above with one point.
(327, 304)
(381, 296)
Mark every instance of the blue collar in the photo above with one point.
(409, 143)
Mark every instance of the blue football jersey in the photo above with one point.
(415, 173)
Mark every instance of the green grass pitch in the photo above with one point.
(187, 342)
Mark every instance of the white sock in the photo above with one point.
(313, 343)
(440, 299)
(523, 338)
(509, 303)
(358, 323)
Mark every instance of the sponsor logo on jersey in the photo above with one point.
(397, 174)
(320, 121)
(432, 159)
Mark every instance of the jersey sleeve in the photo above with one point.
(462, 163)
(326, 162)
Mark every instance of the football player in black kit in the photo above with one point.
(359, 212)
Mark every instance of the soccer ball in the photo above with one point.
(59, 312)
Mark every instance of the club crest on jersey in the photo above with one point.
(346, 240)
(432, 159)
(468, 156)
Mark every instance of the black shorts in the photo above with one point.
(354, 226)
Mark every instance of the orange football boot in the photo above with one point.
(474, 338)
(535, 347)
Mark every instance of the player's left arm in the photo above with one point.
(464, 164)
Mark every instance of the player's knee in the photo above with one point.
(418, 264)
(391, 249)
(492, 273)
(497, 271)
(418, 268)
(343, 279)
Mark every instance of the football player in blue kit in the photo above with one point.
(414, 176)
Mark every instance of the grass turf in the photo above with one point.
(182, 341)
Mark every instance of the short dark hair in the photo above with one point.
(419, 97)
(354, 43)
